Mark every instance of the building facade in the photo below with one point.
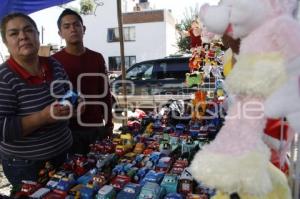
(148, 34)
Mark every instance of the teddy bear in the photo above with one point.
(237, 161)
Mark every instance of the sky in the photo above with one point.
(47, 18)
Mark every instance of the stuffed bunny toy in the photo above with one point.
(237, 161)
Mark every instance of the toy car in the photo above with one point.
(151, 190)
(154, 145)
(105, 161)
(97, 147)
(56, 194)
(138, 159)
(39, 193)
(153, 176)
(139, 148)
(155, 156)
(119, 182)
(141, 174)
(126, 144)
(163, 165)
(84, 179)
(130, 190)
(173, 196)
(118, 169)
(64, 185)
(185, 183)
(131, 172)
(194, 130)
(106, 192)
(27, 188)
(196, 196)
(99, 180)
(179, 129)
(86, 192)
(170, 183)
(75, 191)
(128, 157)
(179, 166)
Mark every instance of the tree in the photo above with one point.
(189, 15)
(87, 7)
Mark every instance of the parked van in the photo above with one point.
(152, 83)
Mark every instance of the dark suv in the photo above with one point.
(152, 83)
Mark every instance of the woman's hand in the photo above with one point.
(55, 112)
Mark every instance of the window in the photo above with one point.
(128, 33)
(140, 72)
(114, 63)
(171, 70)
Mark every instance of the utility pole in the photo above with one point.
(42, 34)
(120, 23)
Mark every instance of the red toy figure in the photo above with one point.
(195, 35)
(276, 136)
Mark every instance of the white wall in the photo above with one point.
(151, 41)
(96, 29)
(171, 38)
(3, 52)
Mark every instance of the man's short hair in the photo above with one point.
(68, 12)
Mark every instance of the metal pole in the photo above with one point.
(296, 173)
(42, 34)
(120, 23)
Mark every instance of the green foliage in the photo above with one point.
(190, 14)
(87, 7)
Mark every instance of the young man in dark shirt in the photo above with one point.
(87, 72)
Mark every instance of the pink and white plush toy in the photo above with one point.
(285, 102)
(237, 160)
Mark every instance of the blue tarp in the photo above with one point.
(27, 6)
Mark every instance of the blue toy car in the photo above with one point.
(88, 176)
(151, 190)
(140, 174)
(153, 176)
(170, 183)
(173, 196)
(106, 192)
(86, 192)
(179, 129)
(130, 190)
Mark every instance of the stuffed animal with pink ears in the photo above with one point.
(238, 159)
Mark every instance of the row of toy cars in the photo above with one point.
(160, 172)
(117, 166)
(154, 185)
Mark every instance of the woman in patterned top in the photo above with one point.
(34, 126)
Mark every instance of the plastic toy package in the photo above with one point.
(71, 97)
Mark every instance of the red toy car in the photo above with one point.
(28, 188)
(120, 181)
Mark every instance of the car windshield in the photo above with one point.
(140, 72)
